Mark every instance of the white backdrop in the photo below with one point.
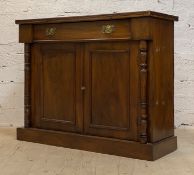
(11, 52)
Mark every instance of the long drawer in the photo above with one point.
(83, 30)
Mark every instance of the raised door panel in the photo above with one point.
(56, 87)
(110, 94)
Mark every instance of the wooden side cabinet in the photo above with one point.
(102, 83)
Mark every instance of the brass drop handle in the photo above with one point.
(51, 31)
(108, 29)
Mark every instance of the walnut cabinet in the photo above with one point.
(102, 83)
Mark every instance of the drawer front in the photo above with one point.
(83, 30)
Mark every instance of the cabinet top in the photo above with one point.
(99, 17)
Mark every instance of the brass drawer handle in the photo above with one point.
(51, 31)
(108, 28)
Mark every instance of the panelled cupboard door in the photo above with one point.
(56, 80)
(111, 95)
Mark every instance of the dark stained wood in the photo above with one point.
(161, 80)
(164, 147)
(85, 40)
(143, 91)
(108, 99)
(57, 90)
(107, 92)
(27, 89)
(83, 30)
(140, 28)
(99, 144)
(25, 33)
(99, 17)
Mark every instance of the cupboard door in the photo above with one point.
(111, 95)
(56, 96)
